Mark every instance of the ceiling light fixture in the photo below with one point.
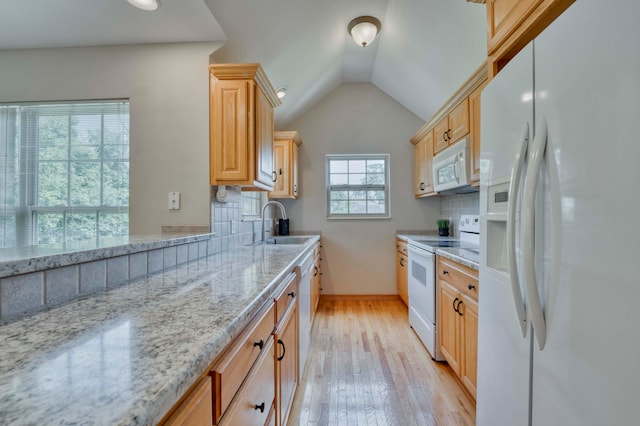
(149, 5)
(281, 92)
(364, 30)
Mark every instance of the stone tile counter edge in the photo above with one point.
(126, 355)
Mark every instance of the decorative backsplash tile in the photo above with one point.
(455, 205)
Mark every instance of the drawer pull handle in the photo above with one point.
(315, 271)
(454, 304)
(284, 350)
(260, 344)
(260, 407)
(458, 308)
(471, 287)
(445, 272)
(402, 262)
(292, 294)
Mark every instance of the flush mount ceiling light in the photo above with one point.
(148, 5)
(281, 92)
(364, 30)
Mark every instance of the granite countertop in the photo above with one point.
(126, 355)
(464, 256)
(416, 235)
(22, 260)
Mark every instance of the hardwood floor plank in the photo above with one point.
(367, 367)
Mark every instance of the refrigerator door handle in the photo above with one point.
(514, 187)
(536, 155)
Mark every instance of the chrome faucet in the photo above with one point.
(264, 207)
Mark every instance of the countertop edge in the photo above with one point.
(446, 253)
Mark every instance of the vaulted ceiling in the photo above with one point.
(426, 49)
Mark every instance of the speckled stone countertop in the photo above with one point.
(22, 260)
(126, 355)
(464, 256)
(415, 235)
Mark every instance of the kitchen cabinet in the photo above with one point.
(474, 133)
(458, 320)
(195, 409)
(457, 118)
(512, 24)
(316, 282)
(241, 126)
(233, 368)
(452, 127)
(285, 154)
(402, 271)
(286, 362)
(422, 167)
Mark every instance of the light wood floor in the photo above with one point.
(367, 367)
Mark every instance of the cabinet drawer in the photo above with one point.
(401, 246)
(195, 410)
(464, 279)
(254, 403)
(230, 371)
(286, 294)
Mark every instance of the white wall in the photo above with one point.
(168, 88)
(357, 118)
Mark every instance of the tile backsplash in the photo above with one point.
(226, 221)
(455, 205)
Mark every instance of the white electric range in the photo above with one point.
(423, 294)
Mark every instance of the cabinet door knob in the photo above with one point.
(454, 304)
(471, 286)
(260, 407)
(259, 344)
(401, 262)
(292, 294)
(445, 272)
(280, 172)
(284, 350)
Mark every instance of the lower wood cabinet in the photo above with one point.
(458, 320)
(196, 408)
(402, 271)
(254, 403)
(286, 363)
(316, 282)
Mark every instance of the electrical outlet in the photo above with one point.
(174, 201)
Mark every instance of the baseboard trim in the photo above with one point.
(333, 297)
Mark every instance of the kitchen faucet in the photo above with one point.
(277, 203)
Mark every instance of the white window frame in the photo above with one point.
(385, 187)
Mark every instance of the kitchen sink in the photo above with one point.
(295, 240)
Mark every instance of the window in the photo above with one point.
(64, 172)
(251, 204)
(358, 186)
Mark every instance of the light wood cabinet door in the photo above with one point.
(503, 17)
(474, 134)
(230, 137)
(441, 135)
(286, 363)
(418, 168)
(196, 409)
(254, 402)
(281, 154)
(459, 122)
(449, 325)
(316, 287)
(402, 277)
(286, 145)
(469, 344)
(264, 140)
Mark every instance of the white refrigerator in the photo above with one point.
(559, 293)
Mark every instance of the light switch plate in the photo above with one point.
(174, 201)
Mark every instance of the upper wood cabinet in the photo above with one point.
(474, 133)
(512, 24)
(285, 155)
(422, 167)
(241, 126)
(451, 128)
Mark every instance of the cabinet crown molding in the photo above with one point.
(288, 134)
(477, 78)
(248, 72)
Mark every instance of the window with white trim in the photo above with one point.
(64, 172)
(357, 186)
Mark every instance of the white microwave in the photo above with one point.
(452, 168)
